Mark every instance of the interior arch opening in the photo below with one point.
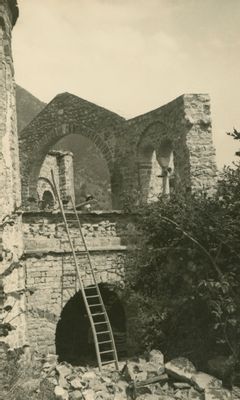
(90, 170)
(81, 172)
(166, 161)
(74, 342)
(156, 167)
(47, 200)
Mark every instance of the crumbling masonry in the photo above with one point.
(167, 149)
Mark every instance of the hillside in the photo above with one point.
(28, 106)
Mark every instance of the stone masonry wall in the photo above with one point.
(50, 271)
(11, 271)
(66, 114)
(61, 163)
(181, 129)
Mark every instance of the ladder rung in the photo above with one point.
(108, 362)
(105, 341)
(107, 351)
(88, 284)
(90, 287)
(100, 313)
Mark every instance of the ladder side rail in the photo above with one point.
(97, 287)
(78, 272)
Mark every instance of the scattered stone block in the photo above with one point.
(194, 394)
(181, 385)
(181, 368)
(156, 357)
(89, 394)
(203, 381)
(60, 393)
(217, 394)
(87, 376)
(76, 384)
(76, 395)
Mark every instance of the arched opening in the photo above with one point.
(155, 165)
(74, 342)
(166, 161)
(47, 201)
(80, 170)
(149, 173)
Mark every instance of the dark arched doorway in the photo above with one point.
(47, 200)
(73, 333)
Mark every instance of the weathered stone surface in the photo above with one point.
(11, 274)
(89, 394)
(60, 393)
(217, 394)
(181, 385)
(76, 383)
(203, 381)
(63, 370)
(76, 395)
(181, 368)
(89, 375)
(156, 357)
(194, 394)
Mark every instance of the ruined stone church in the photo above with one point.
(166, 150)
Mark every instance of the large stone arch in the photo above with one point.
(74, 341)
(33, 159)
(66, 114)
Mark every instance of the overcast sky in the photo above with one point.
(132, 56)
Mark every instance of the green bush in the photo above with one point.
(184, 275)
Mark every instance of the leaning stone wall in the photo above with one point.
(49, 267)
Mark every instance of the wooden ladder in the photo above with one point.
(100, 325)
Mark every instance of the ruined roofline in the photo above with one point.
(65, 97)
(179, 98)
(71, 95)
(14, 10)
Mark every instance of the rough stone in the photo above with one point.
(89, 394)
(181, 368)
(76, 395)
(217, 394)
(89, 375)
(60, 393)
(181, 385)
(76, 384)
(156, 357)
(203, 381)
(194, 394)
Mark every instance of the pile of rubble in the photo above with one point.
(140, 378)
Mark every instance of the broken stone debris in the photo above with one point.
(143, 378)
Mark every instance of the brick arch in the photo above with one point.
(34, 150)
